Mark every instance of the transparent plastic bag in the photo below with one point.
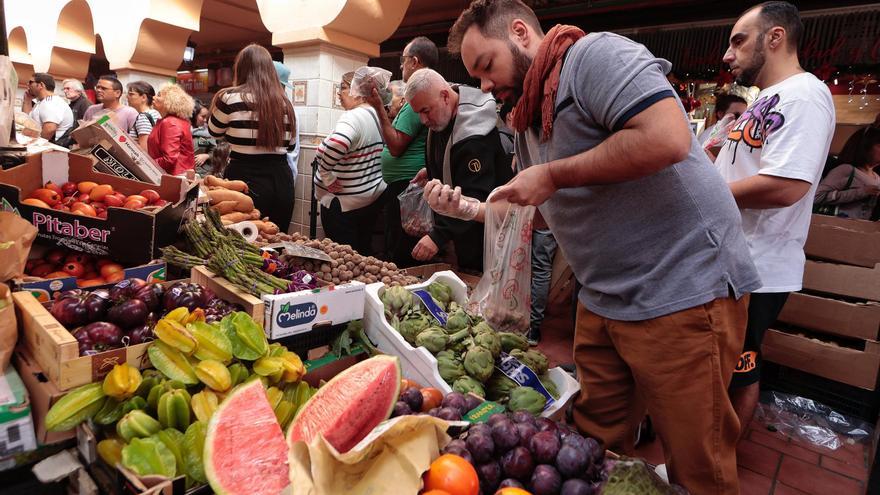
(810, 421)
(416, 216)
(361, 83)
(503, 295)
(720, 131)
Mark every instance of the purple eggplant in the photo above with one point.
(187, 295)
(151, 295)
(128, 314)
(70, 309)
(126, 289)
(98, 337)
(97, 303)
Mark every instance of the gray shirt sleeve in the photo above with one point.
(616, 78)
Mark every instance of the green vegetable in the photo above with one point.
(146, 456)
(397, 301)
(549, 385)
(499, 386)
(449, 366)
(534, 359)
(412, 325)
(479, 363)
(489, 340)
(456, 321)
(511, 341)
(467, 384)
(434, 339)
(441, 293)
(526, 399)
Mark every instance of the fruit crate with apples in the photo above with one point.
(135, 226)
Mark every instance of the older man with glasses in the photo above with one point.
(76, 98)
(108, 92)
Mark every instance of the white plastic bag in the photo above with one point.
(503, 295)
(361, 83)
(416, 216)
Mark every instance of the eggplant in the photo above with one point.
(128, 314)
(126, 289)
(187, 295)
(70, 308)
(98, 337)
(151, 295)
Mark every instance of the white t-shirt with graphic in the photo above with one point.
(786, 133)
(55, 110)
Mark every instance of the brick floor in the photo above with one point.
(770, 463)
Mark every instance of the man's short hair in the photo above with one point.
(113, 82)
(723, 102)
(785, 15)
(492, 18)
(422, 80)
(77, 85)
(425, 50)
(46, 79)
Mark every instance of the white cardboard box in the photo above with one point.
(298, 312)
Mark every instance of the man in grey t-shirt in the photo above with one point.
(648, 226)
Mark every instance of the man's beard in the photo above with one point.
(521, 65)
(749, 75)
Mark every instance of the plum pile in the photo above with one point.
(451, 407)
(538, 454)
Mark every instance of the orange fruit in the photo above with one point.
(58, 274)
(134, 204)
(86, 187)
(431, 398)
(407, 383)
(510, 490)
(110, 268)
(113, 200)
(452, 474)
(115, 277)
(35, 202)
(89, 282)
(80, 208)
(47, 196)
(151, 195)
(98, 193)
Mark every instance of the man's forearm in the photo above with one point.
(762, 192)
(396, 141)
(48, 131)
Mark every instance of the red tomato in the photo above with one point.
(431, 398)
(452, 474)
(74, 269)
(151, 195)
(114, 277)
(110, 269)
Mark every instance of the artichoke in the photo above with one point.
(449, 366)
(441, 293)
(526, 399)
(461, 346)
(479, 363)
(511, 341)
(534, 359)
(453, 307)
(481, 327)
(467, 384)
(489, 340)
(434, 339)
(456, 321)
(499, 386)
(397, 301)
(412, 325)
(549, 385)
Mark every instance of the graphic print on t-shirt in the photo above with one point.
(756, 124)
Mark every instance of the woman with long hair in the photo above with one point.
(258, 122)
(140, 97)
(170, 143)
(203, 143)
(852, 189)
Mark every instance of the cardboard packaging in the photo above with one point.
(16, 426)
(853, 242)
(299, 312)
(127, 236)
(844, 280)
(115, 152)
(42, 395)
(846, 319)
(46, 290)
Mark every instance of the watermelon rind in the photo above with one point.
(329, 390)
(215, 479)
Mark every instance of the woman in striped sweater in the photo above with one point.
(349, 179)
(258, 122)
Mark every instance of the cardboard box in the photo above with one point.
(849, 244)
(16, 426)
(43, 393)
(843, 280)
(56, 351)
(854, 367)
(127, 236)
(46, 290)
(845, 223)
(115, 152)
(854, 320)
(299, 312)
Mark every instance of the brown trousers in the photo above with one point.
(677, 367)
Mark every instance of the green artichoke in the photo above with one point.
(435, 340)
(413, 324)
(479, 363)
(456, 321)
(461, 346)
(534, 359)
(511, 341)
(489, 340)
(481, 327)
(467, 384)
(526, 398)
(397, 301)
(441, 293)
(549, 385)
(449, 366)
(499, 386)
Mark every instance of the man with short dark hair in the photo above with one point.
(108, 92)
(604, 150)
(404, 153)
(51, 112)
(773, 159)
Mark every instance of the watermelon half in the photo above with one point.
(245, 451)
(348, 407)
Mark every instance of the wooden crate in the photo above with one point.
(226, 290)
(56, 351)
(855, 367)
(854, 320)
(844, 280)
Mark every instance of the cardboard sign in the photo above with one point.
(298, 312)
(123, 148)
(108, 164)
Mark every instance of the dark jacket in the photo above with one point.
(79, 107)
(478, 162)
(171, 145)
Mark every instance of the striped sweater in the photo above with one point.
(232, 119)
(352, 154)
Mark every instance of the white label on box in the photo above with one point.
(298, 312)
(17, 436)
(55, 167)
(6, 395)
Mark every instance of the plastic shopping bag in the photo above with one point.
(361, 83)
(416, 216)
(503, 295)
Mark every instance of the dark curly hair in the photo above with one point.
(492, 18)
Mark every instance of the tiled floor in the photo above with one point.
(769, 463)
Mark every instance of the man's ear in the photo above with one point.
(520, 33)
(777, 37)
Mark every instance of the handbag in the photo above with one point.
(833, 210)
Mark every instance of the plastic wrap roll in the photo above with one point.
(248, 230)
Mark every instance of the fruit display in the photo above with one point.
(467, 348)
(453, 475)
(431, 401)
(244, 433)
(91, 199)
(346, 264)
(349, 406)
(536, 454)
(88, 270)
(230, 199)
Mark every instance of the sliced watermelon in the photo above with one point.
(245, 451)
(348, 407)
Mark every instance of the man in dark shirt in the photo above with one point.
(464, 149)
(75, 94)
